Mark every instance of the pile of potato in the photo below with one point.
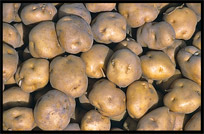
(101, 66)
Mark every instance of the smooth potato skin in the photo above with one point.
(196, 7)
(194, 123)
(99, 7)
(10, 12)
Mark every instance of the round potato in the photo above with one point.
(197, 40)
(184, 96)
(18, 119)
(76, 9)
(109, 100)
(189, 61)
(72, 127)
(196, 7)
(32, 74)
(68, 75)
(184, 25)
(34, 13)
(124, 67)
(54, 110)
(93, 120)
(10, 62)
(109, 27)
(10, 12)
(194, 123)
(68, 27)
(96, 60)
(156, 65)
(100, 7)
(43, 41)
(141, 96)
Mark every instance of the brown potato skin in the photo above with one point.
(67, 74)
(197, 40)
(109, 100)
(194, 123)
(99, 7)
(10, 12)
(196, 7)
(53, 110)
(18, 119)
(11, 81)
(20, 28)
(93, 120)
(124, 67)
(96, 60)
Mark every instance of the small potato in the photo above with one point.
(72, 127)
(184, 25)
(10, 12)
(10, 62)
(109, 100)
(109, 27)
(194, 123)
(131, 44)
(76, 9)
(138, 14)
(156, 35)
(189, 61)
(68, 75)
(196, 7)
(34, 13)
(141, 96)
(74, 34)
(54, 110)
(124, 67)
(184, 96)
(11, 36)
(96, 60)
(93, 120)
(100, 7)
(43, 41)
(18, 119)
(156, 65)
(32, 74)
(197, 40)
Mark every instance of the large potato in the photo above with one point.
(10, 62)
(54, 110)
(189, 61)
(156, 35)
(93, 120)
(196, 7)
(124, 67)
(34, 13)
(18, 119)
(184, 25)
(74, 34)
(43, 41)
(184, 96)
(156, 65)
(68, 75)
(194, 123)
(76, 9)
(32, 74)
(109, 100)
(100, 7)
(96, 60)
(10, 12)
(197, 40)
(141, 96)
(109, 27)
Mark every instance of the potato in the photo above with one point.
(184, 25)
(11, 36)
(10, 62)
(160, 5)
(53, 110)
(76, 9)
(20, 28)
(189, 61)
(18, 119)
(118, 117)
(32, 74)
(179, 121)
(43, 41)
(10, 12)
(96, 60)
(141, 96)
(93, 120)
(109, 100)
(124, 67)
(68, 27)
(184, 96)
(34, 13)
(130, 124)
(194, 123)
(156, 65)
(67, 74)
(196, 7)
(100, 7)
(109, 27)
(131, 44)
(138, 14)
(197, 40)
(72, 127)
